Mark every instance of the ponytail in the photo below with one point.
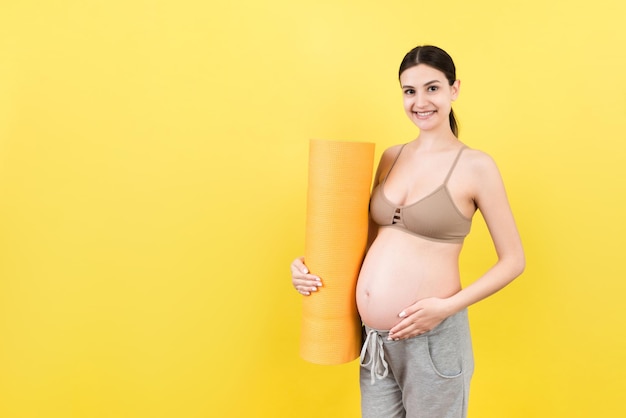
(453, 124)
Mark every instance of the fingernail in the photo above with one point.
(402, 314)
(319, 283)
(389, 339)
(314, 289)
(306, 270)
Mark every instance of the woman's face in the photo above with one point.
(428, 97)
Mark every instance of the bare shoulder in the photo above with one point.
(482, 179)
(391, 152)
(479, 163)
(389, 155)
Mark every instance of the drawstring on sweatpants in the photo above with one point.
(373, 346)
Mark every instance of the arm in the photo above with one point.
(385, 161)
(490, 197)
(492, 201)
(301, 279)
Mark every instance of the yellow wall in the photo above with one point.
(152, 193)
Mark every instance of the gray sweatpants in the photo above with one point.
(427, 376)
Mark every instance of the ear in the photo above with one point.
(455, 87)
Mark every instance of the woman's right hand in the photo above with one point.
(302, 281)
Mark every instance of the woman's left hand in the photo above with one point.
(419, 318)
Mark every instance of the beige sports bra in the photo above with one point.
(434, 217)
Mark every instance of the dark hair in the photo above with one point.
(437, 58)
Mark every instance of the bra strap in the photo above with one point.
(454, 164)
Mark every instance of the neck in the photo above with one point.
(435, 140)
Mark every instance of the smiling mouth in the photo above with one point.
(424, 114)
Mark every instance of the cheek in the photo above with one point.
(444, 102)
(407, 104)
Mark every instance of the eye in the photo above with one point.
(432, 88)
(409, 91)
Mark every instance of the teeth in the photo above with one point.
(425, 113)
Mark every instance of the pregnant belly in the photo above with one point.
(401, 269)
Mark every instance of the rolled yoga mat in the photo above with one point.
(340, 176)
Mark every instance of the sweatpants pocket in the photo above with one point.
(445, 356)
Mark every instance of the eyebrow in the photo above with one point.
(425, 84)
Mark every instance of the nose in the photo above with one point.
(420, 100)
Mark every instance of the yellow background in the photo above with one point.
(153, 161)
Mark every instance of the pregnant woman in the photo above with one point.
(417, 357)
